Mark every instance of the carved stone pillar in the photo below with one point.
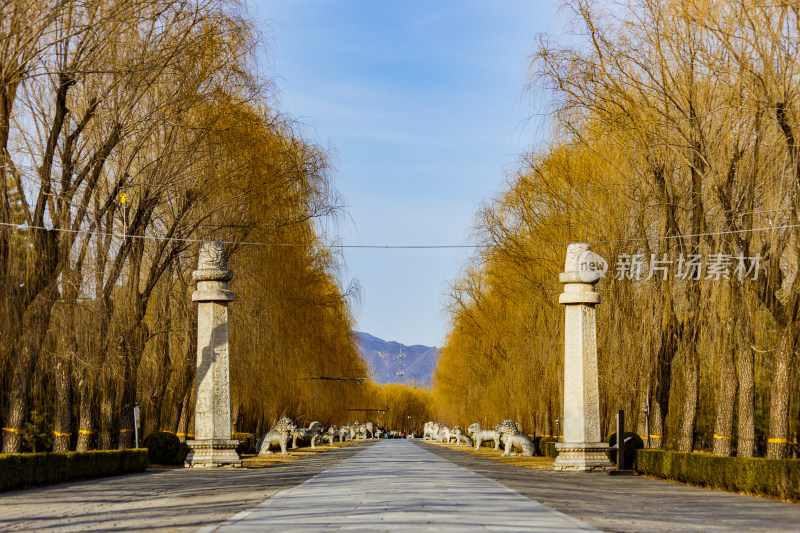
(212, 445)
(582, 448)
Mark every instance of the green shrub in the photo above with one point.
(20, 470)
(164, 448)
(770, 477)
(547, 447)
(631, 447)
(247, 443)
(36, 436)
(180, 457)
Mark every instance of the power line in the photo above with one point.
(332, 378)
(399, 246)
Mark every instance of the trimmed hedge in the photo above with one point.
(20, 470)
(165, 448)
(247, 443)
(770, 477)
(547, 447)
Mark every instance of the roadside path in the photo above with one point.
(634, 503)
(181, 499)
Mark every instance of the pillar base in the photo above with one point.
(582, 457)
(212, 452)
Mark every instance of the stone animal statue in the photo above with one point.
(310, 434)
(513, 437)
(479, 435)
(460, 436)
(330, 434)
(439, 432)
(277, 436)
(347, 432)
(427, 430)
(369, 429)
(354, 428)
(361, 430)
(448, 433)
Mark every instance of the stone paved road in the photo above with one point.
(397, 486)
(189, 500)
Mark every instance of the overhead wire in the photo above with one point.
(188, 240)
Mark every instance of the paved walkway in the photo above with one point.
(174, 500)
(634, 504)
(383, 486)
(397, 486)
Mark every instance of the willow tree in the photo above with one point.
(130, 132)
(678, 122)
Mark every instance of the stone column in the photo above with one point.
(212, 445)
(582, 448)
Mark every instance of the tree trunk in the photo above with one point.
(107, 414)
(657, 418)
(642, 401)
(67, 351)
(726, 393)
(746, 432)
(183, 421)
(235, 417)
(35, 323)
(153, 420)
(126, 407)
(777, 444)
(689, 403)
(85, 425)
(670, 333)
(62, 433)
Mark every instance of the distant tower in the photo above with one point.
(401, 366)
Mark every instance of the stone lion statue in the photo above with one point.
(330, 434)
(448, 433)
(479, 435)
(278, 436)
(310, 434)
(458, 434)
(438, 432)
(513, 437)
(369, 429)
(347, 432)
(427, 430)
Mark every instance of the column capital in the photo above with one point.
(212, 274)
(582, 269)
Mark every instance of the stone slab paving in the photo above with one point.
(397, 486)
(634, 503)
(182, 500)
(191, 499)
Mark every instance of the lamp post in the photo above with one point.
(646, 412)
(136, 419)
(558, 431)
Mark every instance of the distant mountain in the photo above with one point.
(387, 358)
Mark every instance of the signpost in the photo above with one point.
(136, 419)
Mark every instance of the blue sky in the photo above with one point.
(424, 108)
